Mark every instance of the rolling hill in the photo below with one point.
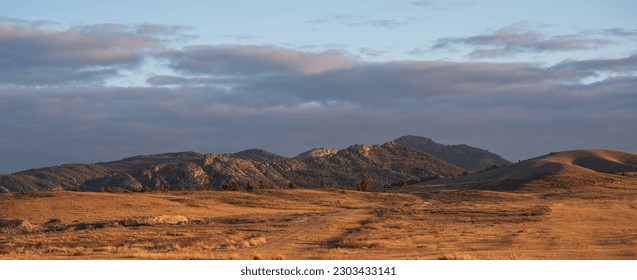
(560, 170)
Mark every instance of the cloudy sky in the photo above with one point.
(89, 81)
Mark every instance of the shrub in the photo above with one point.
(230, 186)
(364, 186)
(491, 167)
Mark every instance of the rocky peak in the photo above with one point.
(318, 152)
(360, 149)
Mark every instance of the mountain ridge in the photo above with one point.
(380, 165)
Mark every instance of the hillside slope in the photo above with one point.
(464, 156)
(568, 169)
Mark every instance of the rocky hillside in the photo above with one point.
(379, 165)
(464, 156)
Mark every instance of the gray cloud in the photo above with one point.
(26, 23)
(441, 5)
(620, 32)
(593, 67)
(169, 80)
(370, 52)
(271, 76)
(519, 38)
(422, 3)
(357, 21)
(30, 55)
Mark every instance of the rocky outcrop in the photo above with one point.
(180, 176)
(317, 152)
(222, 168)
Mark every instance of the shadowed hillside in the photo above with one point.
(570, 169)
(464, 156)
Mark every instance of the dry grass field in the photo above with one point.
(432, 221)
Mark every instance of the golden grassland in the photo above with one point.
(419, 222)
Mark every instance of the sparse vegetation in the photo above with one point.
(428, 224)
(491, 167)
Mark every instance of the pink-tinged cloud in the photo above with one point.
(254, 60)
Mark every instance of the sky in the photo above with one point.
(92, 81)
